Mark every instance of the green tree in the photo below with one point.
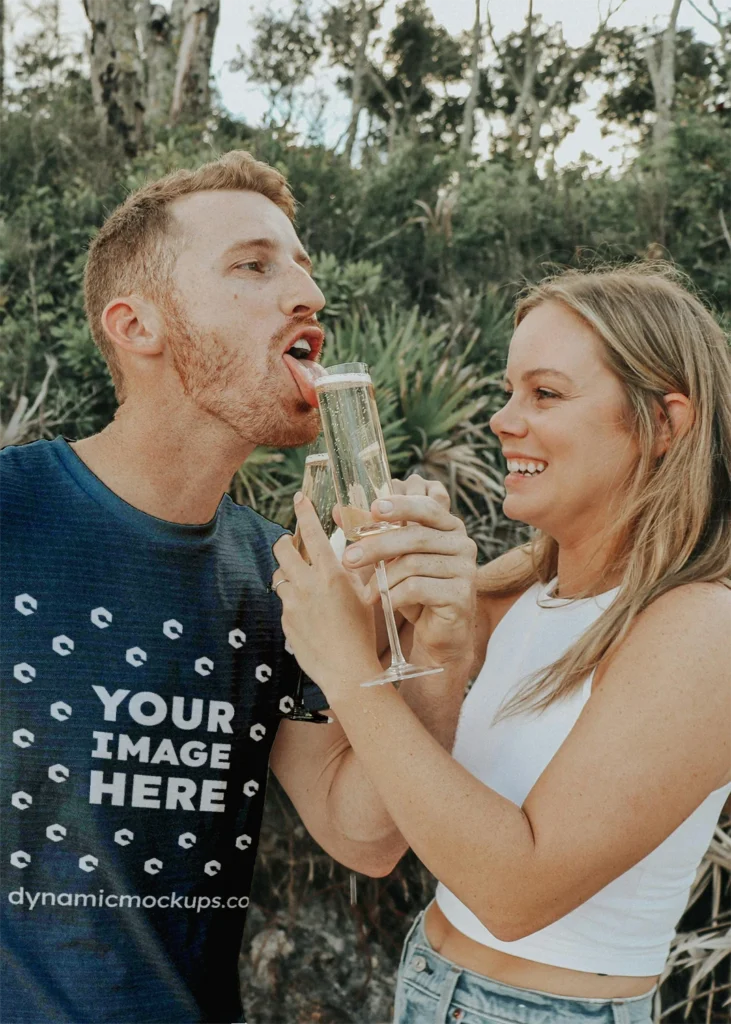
(283, 51)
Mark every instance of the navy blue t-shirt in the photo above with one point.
(143, 669)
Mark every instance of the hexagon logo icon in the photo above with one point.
(172, 629)
(60, 711)
(56, 833)
(251, 788)
(153, 866)
(101, 618)
(212, 867)
(257, 732)
(24, 672)
(186, 840)
(135, 656)
(288, 647)
(25, 604)
(204, 666)
(237, 638)
(123, 836)
(62, 645)
(88, 862)
(243, 842)
(20, 859)
(263, 673)
(23, 737)
(21, 800)
(285, 705)
(58, 773)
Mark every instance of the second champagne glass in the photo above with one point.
(360, 472)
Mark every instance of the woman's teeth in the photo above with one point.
(526, 468)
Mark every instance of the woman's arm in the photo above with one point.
(652, 742)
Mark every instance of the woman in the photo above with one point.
(593, 753)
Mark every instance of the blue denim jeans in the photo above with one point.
(432, 990)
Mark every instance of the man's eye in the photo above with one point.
(544, 393)
(252, 265)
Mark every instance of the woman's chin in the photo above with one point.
(517, 508)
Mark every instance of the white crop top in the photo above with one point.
(625, 928)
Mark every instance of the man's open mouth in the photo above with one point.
(301, 355)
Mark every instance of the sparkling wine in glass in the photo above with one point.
(361, 475)
(317, 485)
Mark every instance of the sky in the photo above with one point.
(249, 102)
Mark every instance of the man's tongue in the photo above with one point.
(305, 373)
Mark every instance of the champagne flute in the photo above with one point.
(360, 473)
(317, 485)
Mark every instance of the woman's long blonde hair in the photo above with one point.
(675, 526)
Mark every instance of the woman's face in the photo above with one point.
(568, 451)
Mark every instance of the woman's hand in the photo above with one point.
(326, 615)
(431, 570)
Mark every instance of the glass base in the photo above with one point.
(396, 673)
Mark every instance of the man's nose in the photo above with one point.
(302, 297)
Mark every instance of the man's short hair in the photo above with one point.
(136, 248)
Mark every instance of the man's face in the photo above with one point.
(243, 295)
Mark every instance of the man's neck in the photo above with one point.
(173, 467)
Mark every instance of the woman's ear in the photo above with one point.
(675, 419)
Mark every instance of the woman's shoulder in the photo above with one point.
(687, 625)
(701, 606)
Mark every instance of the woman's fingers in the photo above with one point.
(437, 567)
(453, 597)
(416, 484)
(414, 537)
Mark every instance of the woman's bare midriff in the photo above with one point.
(453, 945)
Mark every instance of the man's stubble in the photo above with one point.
(222, 383)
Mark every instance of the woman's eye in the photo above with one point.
(252, 265)
(544, 393)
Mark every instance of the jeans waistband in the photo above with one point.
(426, 968)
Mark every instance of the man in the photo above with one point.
(143, 660)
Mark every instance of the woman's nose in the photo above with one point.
(508, 421)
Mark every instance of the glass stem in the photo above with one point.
(397, 657)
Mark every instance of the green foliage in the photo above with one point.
(629, 97)
(353, 286)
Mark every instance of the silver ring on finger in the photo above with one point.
(277, 584)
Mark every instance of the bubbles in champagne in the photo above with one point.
(361, 474)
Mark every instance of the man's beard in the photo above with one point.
(222, 384)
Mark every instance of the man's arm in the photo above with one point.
(332, 791)
(316, 765)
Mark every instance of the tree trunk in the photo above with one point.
(191, 90)
(116, 73)
(359, 73)
(662, 74)
(2, 50)
(527, 87)
(157, 32)
(468, 122)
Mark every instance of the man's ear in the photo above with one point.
(135, 325)
(674, 420)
